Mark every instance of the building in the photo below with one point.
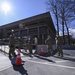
(39, 26)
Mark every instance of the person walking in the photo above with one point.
(20, 40)
(59, 43)
(12, 44)
(48, 41)
(29, 45)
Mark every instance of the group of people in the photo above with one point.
(12, 44)
(48, 41)
(59, 43)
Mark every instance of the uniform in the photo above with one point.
(20, 42)
(48, 41)
(12, 45)
(29, 45)
(59, 43)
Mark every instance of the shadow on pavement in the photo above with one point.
(45, 54)
(66, 54)
(2, 51)
(65, 58)
(43, 58)
(18, 68)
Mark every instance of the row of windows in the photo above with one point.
(33, 31)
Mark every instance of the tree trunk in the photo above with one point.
(63, 34)
(67, 33)
(57, 25)
(57, 21)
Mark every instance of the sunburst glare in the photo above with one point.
(6, 7)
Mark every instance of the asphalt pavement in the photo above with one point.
(39, 65)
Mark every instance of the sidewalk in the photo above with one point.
(4, 62)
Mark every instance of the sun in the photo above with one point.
(6, 7)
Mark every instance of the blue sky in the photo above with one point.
(21, 9)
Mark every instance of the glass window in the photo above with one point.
(33, 31)
(42, 30)
(16, 33)
(24, 32)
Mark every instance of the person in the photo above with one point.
(48, 41)
(29, 45)
(20, 40)
(12, 45)
(59, 43)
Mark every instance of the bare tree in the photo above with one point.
(53, 6)
(63, 11)
(67, 14)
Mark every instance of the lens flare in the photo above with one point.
(6, 7)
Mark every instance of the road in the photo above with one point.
(39, 65)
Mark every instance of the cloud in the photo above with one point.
(71, 32)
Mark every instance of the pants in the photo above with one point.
(50, 50)
(60, 52)
(12, 51)
(30, 48)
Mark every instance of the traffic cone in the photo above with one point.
(41, 52)
(18, 59)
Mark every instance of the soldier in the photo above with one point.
(20, 42)
(29, 45)
(59, 43)
(12, 44)
(48, 41)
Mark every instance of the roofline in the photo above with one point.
(29, 19)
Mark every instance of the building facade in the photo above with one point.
(39, 26)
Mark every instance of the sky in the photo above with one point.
(14, 10)
(20, 9)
